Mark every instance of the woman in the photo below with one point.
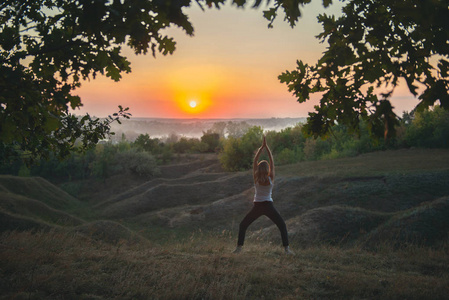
(263, 173)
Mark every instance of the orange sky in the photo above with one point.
(229, 68)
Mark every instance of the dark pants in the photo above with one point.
(263, 208)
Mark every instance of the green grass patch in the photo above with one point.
(403, 161)
(39, 189)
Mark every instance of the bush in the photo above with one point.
(290, 138)
(185, 145)
(315, 148)
(429, 128)
(231, 158)
(148, 144)
(347, 149)
(202, 147)
(288, 156)
(166, 154)
(103, 166)
(137, 162)
(73, 167)
(212, 140)
(238, 153)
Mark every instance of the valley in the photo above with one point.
(391, 204)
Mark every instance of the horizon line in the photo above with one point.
(206, 119)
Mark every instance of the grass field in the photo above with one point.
(404, 161)
(370, 227)
(56, 265)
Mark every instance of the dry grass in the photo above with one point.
(106, 260)
(37, 188)
(372, 164)
(195, 191)
(57, 265)
(25, 207)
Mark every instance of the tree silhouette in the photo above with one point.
(372, 47)
(47, 47)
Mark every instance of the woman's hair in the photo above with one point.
(263, 171)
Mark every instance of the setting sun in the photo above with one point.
(192, 104)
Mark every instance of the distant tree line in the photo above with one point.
(428, 128)
(235, 144)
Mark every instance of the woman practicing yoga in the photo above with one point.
(263, 173)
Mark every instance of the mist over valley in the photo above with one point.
(194, 128)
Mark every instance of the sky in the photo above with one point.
(228, 69)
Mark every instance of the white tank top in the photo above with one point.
(263, 192)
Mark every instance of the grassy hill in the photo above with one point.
(197, 189)
(427, 224)
(33, 202)
(340, 194)
(404, 161)
(23, 206)
(347, 195)
(373, 226)
(39, 189)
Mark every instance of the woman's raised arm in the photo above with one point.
(256, 159)
(270, 156)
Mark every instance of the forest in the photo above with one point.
(235, 143)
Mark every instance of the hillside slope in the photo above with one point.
(343, 201)
(39, 189)
(335, 225)
(33, 202)
(24, 206)
(427, 224)
(198, 189)
(360, 229)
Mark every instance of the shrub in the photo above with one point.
(291, 138)
(103, 166)
(185, 145)
(137, 162)
(231, 158)
(148, 144)
(237, 154)
(287, 156)
(315, 148)
(202, 147)
(429, 128)
(166, 154)
(212, 140)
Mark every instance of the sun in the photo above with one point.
(192, 105)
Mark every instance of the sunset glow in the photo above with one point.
(193, 88)
(229, 68)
